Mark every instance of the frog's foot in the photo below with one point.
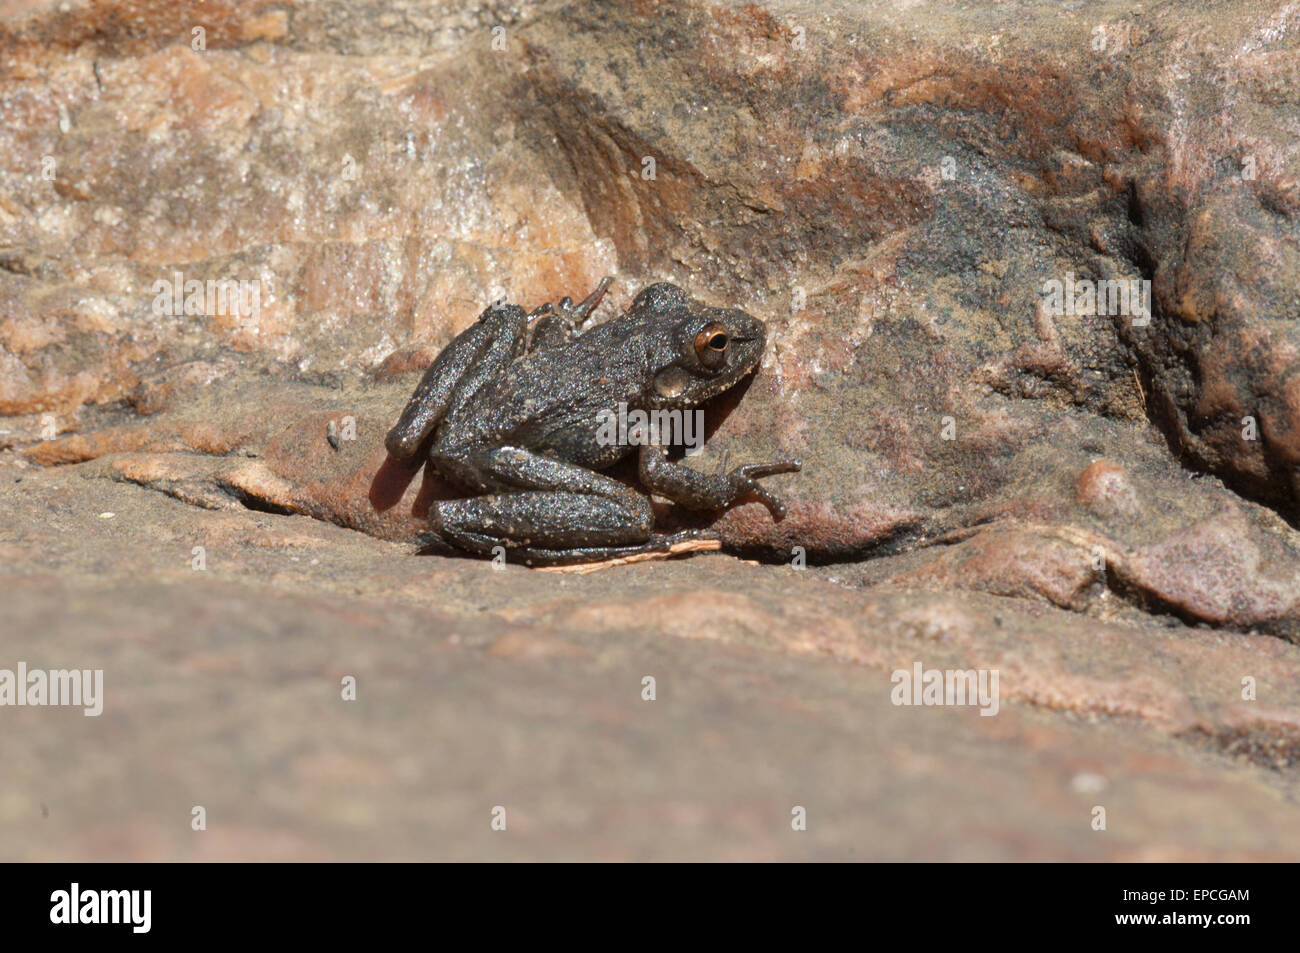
(660, 546)
(552, 325)
(576, 314)
(743, 481)
(584, 559)
(711, 491)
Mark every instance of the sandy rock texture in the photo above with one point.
(233, 234)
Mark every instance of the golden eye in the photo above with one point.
(711, 345)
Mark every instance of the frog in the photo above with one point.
(511, 413)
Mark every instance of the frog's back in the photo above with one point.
(550, 401)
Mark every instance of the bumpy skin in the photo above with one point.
(510, 410)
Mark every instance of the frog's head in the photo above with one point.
(709, 349)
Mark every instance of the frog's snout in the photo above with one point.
(748, 338)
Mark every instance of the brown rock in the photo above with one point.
(1104, 488)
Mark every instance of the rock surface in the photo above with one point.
(1101, 506)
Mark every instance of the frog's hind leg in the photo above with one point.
(543, 511)
(475, 355)
(547, 519)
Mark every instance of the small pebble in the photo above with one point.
(1086, 782)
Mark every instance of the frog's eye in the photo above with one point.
(711, 345)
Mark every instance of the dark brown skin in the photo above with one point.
(511, 410)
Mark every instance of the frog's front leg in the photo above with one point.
(475, 355)
(543, 511)
(708, 491)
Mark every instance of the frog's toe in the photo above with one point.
(745, 480)
(772, 502)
